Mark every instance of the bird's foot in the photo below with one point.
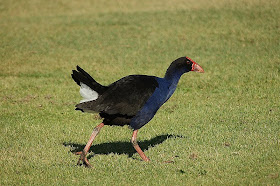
(83, 159)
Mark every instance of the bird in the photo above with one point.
(132, 100)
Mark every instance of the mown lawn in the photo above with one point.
(219, 128)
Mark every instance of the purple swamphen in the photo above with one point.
(133, 100)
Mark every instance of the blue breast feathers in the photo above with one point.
(161, 94)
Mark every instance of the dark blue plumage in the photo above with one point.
(162, 93)
(133, 100)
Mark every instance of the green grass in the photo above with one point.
(219, 128)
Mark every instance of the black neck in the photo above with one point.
(174, 73)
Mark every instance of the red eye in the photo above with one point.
(190, 60)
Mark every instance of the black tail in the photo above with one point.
(82, 76)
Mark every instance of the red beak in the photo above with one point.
(197, 68)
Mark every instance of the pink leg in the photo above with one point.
(136, 146)
(83, 153)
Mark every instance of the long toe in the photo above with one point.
(84, 161)
(78, 153)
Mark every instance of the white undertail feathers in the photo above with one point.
(87, 93)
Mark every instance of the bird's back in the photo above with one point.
(124, 97)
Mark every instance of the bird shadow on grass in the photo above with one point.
(120, 147)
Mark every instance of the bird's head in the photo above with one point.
(181, 66)
(193, 66)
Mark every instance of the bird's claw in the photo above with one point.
(78, 153)
(84, 159)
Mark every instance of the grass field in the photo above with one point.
(219, 128)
